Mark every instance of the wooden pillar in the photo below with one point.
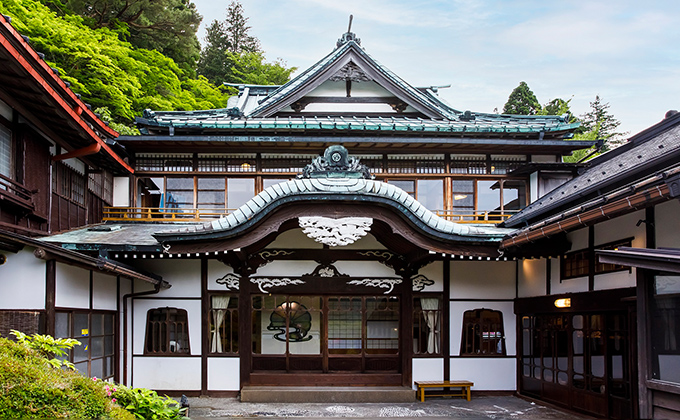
(407, 331)
(205, 325)
(446, 318)
(245, 329)
(591, 258)
(644, 322)
(50, 296)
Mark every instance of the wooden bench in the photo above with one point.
(463, 392)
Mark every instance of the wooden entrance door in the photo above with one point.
(339, 340)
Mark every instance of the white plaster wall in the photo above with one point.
(615, 280)
(482, 279)
(294, 239)
(184, 275)
(167, 373)
(142, 306)
(104, 291)
(331, 88)
(366, 242)
(578, 239)
(365, 268)
(667, 224)
(458, 308)
(435, 272)
(224, 374)
(217, 270)
(121, 191)
(533, 187)
(488, 374)
(620, 228)
(532, 276)
(544, 158)
(575, 285)
(72, 286)
(427, 370)
(22, 281)
(287, 268)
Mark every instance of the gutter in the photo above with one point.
(580, 217)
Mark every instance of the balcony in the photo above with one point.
(173, 214)
(16, 194)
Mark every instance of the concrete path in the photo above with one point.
(481, 407)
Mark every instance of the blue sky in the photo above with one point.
(628, 52)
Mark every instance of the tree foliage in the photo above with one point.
(232, 55)
(168, 26)
(106, 71)
(522, 101)
(602, 124)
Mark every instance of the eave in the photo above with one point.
(663, 259)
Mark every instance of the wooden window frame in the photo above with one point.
(235, 330)
(419, 322)
(476, 348)
(583, 256)
(157, 345)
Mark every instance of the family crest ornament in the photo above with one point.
(335, 232)
(336, 163)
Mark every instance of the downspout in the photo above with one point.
(156, 289)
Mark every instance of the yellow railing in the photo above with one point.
(167, 214)
(162, 214)
(484, 217)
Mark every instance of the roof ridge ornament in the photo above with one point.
(348, 36)
(336, 163)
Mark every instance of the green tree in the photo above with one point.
(558, 106)
(232, 55)
(106, 71)
(168, 26)
(522, 101)
(602, 124)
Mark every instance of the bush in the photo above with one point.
(30, 387)
(146, 404)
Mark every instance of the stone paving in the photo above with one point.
(481, 407)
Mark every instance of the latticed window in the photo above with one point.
(210, 162)
(482, 333)
(164, 162)
(577, 264)
(68, 183)
(427, 322)
(285, 163)
(468, 164)
(96, 331)
(5, 151)
(416, 164)
(167, 331)
(502, 164)
(374, 163)
(223, 324)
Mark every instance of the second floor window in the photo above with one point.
(5, 151)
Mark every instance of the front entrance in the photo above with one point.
(338, 340)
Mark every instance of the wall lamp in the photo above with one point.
(563, 303)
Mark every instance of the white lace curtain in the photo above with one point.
(431, 314)
(219, 311)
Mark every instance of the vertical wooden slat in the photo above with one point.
(205, 324)
(591, 258)
(50, 296)
(245, 329)
(406, 340)
(446, 319)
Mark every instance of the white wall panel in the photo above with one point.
(435, 272)
(667, 224)
(193, 308)
(104, 289)
(167, 373)
(287, 268)
(294, 239)
(121, 191)
(73, 287)
(224, 374)
(615, 280)
(365, 268)
(217, 270)
(488, 374)
(578, 239)
(184, 275)
(22, 281)
(428, 370)
(456, 327)
(575, 285)
(620, 228)
(532, 275)
(482, 279)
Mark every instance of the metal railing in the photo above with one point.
(173, 214)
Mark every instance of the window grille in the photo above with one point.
(168, 162)
(374, 163)
(246, 162)
(502, 164)
(482, 333)
(285, 163)
(167, 332)
(577, 264)
(5, 151)
(96, 331)
(223, 333)
(68, 183)
(468, 164)
(416, 164)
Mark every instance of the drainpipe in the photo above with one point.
(156, 289)
(85, 151)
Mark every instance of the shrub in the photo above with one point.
(147, 404)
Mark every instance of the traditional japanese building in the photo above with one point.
(348, 228)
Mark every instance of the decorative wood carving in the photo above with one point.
(335, 232)
(298, 106)
(230, 281)
(264, 283)
(350, 72)
(380, 283)
(326, 270)
(399, 107)
(420, 281)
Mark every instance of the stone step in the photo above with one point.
(319, 394)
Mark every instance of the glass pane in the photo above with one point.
(108, 324)
(344, 325)
(617, 367)
(382, 325)
(268, 182)
(62, 325)
(578, 364)
(304, 318)
(597, 366)
(578, 341)
(461, 186)
(547, 375)
(269, 325)
(6, 152)
(97, 349)
(514, 194)
(180, 184)
(577, 322)
(108, 345)
(82, 368)
(407, 185)
(81, 352)
(81, 327)
(211, 197)
(211, 184)
(579, 382)
(488, 196)
(108, 367)
(431, 193)
(97, 324)
(97, 368)
(239, 191)
(526, 371)
(562, 378)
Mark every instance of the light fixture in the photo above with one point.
(459, 196)
(245, 166)
(563, 303)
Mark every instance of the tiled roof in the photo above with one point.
(342, 189)
(647, 152)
